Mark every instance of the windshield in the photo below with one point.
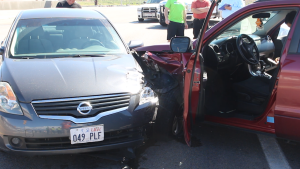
(58, 37)
(246, 26)
(153, 1)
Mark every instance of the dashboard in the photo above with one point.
(227, 55)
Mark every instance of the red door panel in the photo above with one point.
(192, 92)
(287, 109)
(287, 127)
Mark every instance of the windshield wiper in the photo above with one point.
(28, 58)
(87, 56)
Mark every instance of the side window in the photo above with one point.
(295, 43)
(284, 31)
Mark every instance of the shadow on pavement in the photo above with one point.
(145, 21)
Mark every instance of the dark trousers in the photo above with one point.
(197, 25)
(175, 29)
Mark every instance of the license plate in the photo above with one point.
(87, 134)
(148, 14)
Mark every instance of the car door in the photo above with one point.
(287, 109)
(193, 92)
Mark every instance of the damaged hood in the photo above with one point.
(39, 79)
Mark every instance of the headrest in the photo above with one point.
(31, 33)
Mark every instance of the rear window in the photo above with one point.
(55, 37)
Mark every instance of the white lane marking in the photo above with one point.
(273, 152)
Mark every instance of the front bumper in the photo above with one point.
(189, 17)
(147, 15)
(41, 136)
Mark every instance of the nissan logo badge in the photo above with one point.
(84, 108)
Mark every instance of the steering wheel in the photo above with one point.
(248, 50)
(92, 42)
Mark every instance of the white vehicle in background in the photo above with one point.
(148, 10)
(189, 13)
(154, 9)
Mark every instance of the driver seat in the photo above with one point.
(83, 36)
(253, 94)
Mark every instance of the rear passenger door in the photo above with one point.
(287, 108)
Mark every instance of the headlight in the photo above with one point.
(8, 100)
(134, 81)
(147, 95)
(139, 9)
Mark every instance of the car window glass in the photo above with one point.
(245, 26)
(55, 37)
(283, 31)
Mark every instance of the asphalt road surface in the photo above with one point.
(221, 147)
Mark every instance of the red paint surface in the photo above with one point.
(287, 100)
(186, 118)
(154, 48)
(284, 103)
(287, 127)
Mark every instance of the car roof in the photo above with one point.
(59, 12)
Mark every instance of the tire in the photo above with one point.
(169, 116)
(162, 23)
(177, 127)
(190, 24)
(141, 19)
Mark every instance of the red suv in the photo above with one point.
(229, 75)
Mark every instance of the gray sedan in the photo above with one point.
(69, 84)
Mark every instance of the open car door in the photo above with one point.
(194, 77)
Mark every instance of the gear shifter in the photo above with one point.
(263, 70)
(263, 66)
(259, 70)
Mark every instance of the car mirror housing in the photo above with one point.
(180, 44)
(135, 44)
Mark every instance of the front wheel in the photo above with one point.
(163, 23)
(169, 119)
(177, 128)
(141, 19)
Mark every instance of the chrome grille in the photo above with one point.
(149, 12)
(68, 107)
(149, 9)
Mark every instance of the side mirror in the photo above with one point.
(135, 44)
(181, 44)
(1, 50)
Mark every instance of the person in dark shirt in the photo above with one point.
(68, 4)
